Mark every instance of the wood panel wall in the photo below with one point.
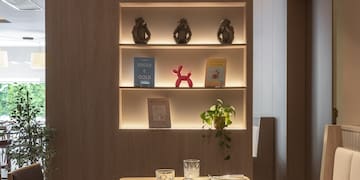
(346, 61)
(81, 86)
(82, 104)
(141, 152)
(297, 89)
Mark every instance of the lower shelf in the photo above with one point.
(185, 106)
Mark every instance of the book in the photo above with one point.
(215, 72)
(159, 113)
(144, 71)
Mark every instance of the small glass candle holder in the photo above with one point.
(165, 174)
(191, 168)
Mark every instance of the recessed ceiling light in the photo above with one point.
(23, 5)
(38, 60)
(3, 59)
(28, 38)
(2, 20)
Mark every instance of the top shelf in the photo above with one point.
(181, 4)
(188, 46)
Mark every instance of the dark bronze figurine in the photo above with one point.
(226, 32)
(182, 33)
(140, 32)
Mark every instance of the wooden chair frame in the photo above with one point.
(337, 136)
(34, 168)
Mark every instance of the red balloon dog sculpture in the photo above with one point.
(182, 77)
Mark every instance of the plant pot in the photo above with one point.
(219, 123)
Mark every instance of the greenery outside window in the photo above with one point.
(7, 93)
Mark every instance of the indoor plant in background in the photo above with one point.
(218, 117)
(30, 137)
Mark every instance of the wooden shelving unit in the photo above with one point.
(184, 139)
(186, 104)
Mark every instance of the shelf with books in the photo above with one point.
(192, 60)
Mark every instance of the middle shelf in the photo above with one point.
(194, 60)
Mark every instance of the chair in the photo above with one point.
(341, 153)
(4, 143)
(32, 172)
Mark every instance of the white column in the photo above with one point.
(269, 98)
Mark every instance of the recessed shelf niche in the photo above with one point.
(203, 17)
(186, 104)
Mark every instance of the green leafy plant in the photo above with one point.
(30, 138)
(218, 116)
(9, 90)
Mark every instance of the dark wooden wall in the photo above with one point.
(141, 152)
(297, 89)
(81, 86)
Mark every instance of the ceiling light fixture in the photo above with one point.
(28, 38)
(4, 61)
(3, 20)
(38, 60)
(23, 5)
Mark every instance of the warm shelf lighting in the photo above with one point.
(127, 88)
(183, 4)
(178, 126)
(189, 46)
(38, 60)
(133, 126)
(4, 61)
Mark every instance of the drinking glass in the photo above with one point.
(165, 174)
(191, 168)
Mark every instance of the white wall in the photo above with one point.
(321, 80)
(19, 66)
(269, 98)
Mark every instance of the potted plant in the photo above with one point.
(218, 117)
(30, 138)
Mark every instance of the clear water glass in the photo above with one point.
(191, 168)
(165, 174)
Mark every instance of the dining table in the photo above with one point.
(238, 177)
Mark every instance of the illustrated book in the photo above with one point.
(215, 72)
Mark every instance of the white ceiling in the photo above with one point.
(23, 23)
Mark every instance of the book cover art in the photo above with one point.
(215, 72)
(144, 71)
(159, 113)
